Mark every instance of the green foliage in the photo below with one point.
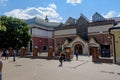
(15, 34)
(2, 27)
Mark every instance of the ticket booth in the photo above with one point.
(22, 51)
(95, 56)
(35, 51)
(50, 52)
(68, 53)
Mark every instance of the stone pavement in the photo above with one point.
(43, 69)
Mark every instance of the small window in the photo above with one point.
(44, 48)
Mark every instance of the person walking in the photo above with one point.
(1, 53)
(1, 64)
(76, 54)
(61, 58)
(14, 55)
(63, 55)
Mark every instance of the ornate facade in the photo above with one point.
(78, 33)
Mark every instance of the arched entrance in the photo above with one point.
(79, 48)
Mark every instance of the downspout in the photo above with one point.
(113, 45)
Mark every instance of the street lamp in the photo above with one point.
(101, 33)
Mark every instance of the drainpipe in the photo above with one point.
(113, 45)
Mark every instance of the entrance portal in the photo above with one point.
(79, 48)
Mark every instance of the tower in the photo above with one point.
(46, 19)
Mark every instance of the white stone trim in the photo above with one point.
(70, 35)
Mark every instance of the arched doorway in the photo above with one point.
(79, 48)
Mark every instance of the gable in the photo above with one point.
(70, 21)
(97, 17)
(82, 20)
(92, 42)
(78, 39)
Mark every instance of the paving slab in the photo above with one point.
(43, 69)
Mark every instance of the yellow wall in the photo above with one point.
(116, 33)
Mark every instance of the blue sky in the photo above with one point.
(59, 10)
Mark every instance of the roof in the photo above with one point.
(105, 22)
(97, 17)
(70, 21)
(82, 20)
(117, 19)
(65, 27)
(42, 22)
(118, 25)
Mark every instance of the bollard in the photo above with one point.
(95, 56)
(10, 51)
(22, 51)
(68, 53)
(35, 51)
(50, 52)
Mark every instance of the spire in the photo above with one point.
(46, 19)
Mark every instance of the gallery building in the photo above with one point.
(42, 32)
(79, 34)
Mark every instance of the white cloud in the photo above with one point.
(74, 2)
(119, 15)
(52, 6)
(2, 2)
(41, 12)
(110, 14)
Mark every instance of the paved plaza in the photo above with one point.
(43, 69)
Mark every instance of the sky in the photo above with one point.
(59, 10)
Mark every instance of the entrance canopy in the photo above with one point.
(93, 43)
(83, 45)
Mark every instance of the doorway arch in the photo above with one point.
(79, 48)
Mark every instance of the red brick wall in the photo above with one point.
(40, 42)
(102, 38)
(61, 40)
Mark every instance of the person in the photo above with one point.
(6, 54)
(14, 54)
(61, 58)
(63, 55)
(1, 64)
(1, 53)
(76, 54)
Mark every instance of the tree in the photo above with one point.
(15, 33)
(2, 27)
(2, 31)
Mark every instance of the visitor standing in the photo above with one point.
(76, 54)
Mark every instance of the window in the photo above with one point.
(44, 48)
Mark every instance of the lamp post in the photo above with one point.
(101, 33)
